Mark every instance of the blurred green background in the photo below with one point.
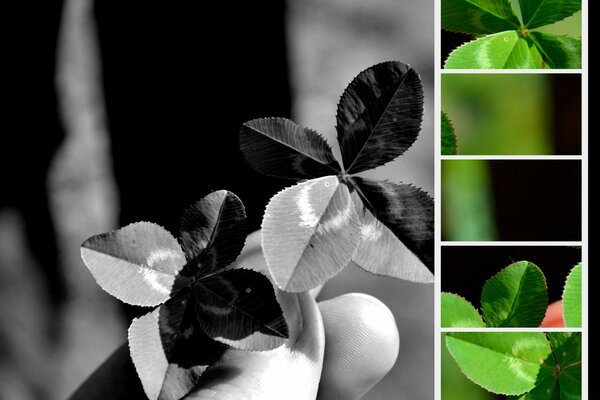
(455, 385)
(505, 114)
(529, 200)
(467, 201)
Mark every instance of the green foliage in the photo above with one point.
(467, 204)
(516, 296)
(572, 298)
(530, 365)
(455, 385)
(489, 120)
(459, 313)
(449, 141)
(508, 40)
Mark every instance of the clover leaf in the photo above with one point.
(311, 231)
(507, 39)
(201, 307)
(523, 365)
(517, 296)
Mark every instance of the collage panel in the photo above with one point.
(511, 365)
(511, 200)
(511, 114)
(511, 34)
(512, 169)
(511, 287)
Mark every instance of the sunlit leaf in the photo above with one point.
(382, 253)
(536, 13)
(309, 233)
(280, 148)
(379, 115)
(449, 142)
(137, 264)
(215, 225)
(497, 51)
(406, 210)
(459, 313)
(239, 308)
(509, 363)
(571, 298)
(478, 16)
(558, 51)
(516, 296)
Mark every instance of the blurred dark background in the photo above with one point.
(465, 269)
(515, 200)
(127, 112)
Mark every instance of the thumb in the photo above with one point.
(291, 371)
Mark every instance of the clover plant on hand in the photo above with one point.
(312, 230)
(199, 305)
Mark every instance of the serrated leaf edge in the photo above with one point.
(520, 284)
(491, 391)
(325, 141)
(444, 114)
(471, 304)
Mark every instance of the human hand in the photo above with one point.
(339, 348)
(554, 316)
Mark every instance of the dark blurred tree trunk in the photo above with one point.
(179, 80)
(32, 130)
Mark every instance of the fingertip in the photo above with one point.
(361, 345)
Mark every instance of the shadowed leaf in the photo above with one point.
(169, 351)
(382, 253)
(478, 16)
(449, 145)
(508, 363)
(278, 147)
(500, 50)
(239, 308)
(216, 227)
(459, 313)
(548, 389)
(558, 51)
(516, 296)
(536, 13)
(566, 347)
(571, 298)
(379, 115)
(406, 210)
(137, 264)
(309, 233)
(565, 382)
